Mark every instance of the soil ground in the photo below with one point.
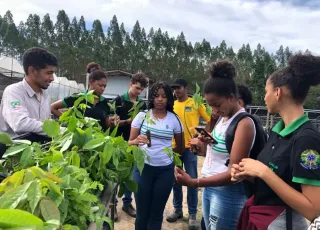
(126, 222)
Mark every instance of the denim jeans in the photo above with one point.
(154, 187)
(126, 199)
(222, 206)
(190, 163)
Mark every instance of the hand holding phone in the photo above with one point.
(207, 135)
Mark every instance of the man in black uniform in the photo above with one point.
(124, 104)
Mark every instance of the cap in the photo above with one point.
(179, 82)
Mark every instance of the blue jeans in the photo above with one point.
(222, 206)
(190, 163)
(127, 198)
(154, 187)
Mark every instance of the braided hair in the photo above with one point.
(167, 90)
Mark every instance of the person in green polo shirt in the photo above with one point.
(124, 103)
(100, 110)
(287, 171)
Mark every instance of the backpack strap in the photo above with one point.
(143, 121)
(260, 138)
(231, 130)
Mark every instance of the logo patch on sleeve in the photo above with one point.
(188, 109)
(15, 105)
(310, 159)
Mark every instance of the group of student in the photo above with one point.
(247, 183)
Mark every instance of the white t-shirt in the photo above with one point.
(162, 133)
(217, 154)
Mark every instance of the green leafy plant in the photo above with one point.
(113, 108)
(136, 108)
(19, 219)
(149, 121)
(37, 192)
(173, 155)
(71, 170)
(200, 101)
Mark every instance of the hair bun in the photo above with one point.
(306, 67)
(92, 66)
(223, 69)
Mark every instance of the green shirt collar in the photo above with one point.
(284, 131)
(127, 98)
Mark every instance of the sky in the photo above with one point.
(293, 23)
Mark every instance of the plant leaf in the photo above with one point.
(70, 227)
(34, 195)
(67, 143)
(51, 185)
(11, 199)
(63, 207)
(197, 88)
(139, 158)
(131, 185)
(5, 139)
(107, 153)
(49, 210)
(57, 156)
(75, 159)
(65, 115)
(114, 131)
(72, 125)
(51, 128)
(11, 218)
(22, 142)
(27, 157)
(14, 150)
(115, 158)
(94, 143)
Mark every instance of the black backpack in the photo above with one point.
(259, 143)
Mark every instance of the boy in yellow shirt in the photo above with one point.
(189, 115)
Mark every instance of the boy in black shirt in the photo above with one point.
(124, 103)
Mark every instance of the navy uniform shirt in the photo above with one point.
(124, 104)
(293, 154)
(100, 111)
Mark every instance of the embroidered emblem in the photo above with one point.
(188, 109)
(15, 105)
(310, 159)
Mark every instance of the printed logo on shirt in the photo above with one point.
(167, 126)
(188, 109)
(310, 159)
(272, 166)
(15, 105)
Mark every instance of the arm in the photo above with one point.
(241, 147)
(134, 133)
(180, 146)
(125, 122)
(135, 137)
(306, 203)
(203, 113)
(17, 117)
(55, 108)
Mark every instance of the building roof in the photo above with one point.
(118, 73)
(10, 67)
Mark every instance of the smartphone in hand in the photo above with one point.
(204, 132)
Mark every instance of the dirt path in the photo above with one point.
(125, 222)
